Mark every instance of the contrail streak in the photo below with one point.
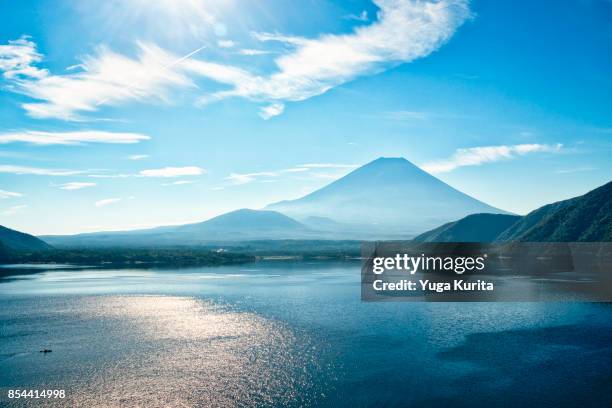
(164, 68)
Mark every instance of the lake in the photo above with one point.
(288, 333)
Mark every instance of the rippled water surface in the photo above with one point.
(289, 334)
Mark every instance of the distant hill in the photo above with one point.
(239, 225)
(386, 198)
(20, 241)
(584, 218)
(587, 218)
(473, 228)
(245, 221)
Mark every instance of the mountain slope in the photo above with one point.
(233, 226)
(20, 241)
(245, 220)
(587, 218)
(584, 218)
(473, 228)
(385, 197)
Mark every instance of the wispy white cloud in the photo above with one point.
(178, 183)
(252, 51)
(76, 185)
(244, 178)
(404, 30)
(7, 168)
(325, 176)
(575, 170)
(14, 209)
(164, 172)
(106, 78)
(476, 156)
(138, 156)
(8, 194)
(71, 138)
(106, 201)
(302, 169)
(173, 172)
(17, 59)
(272, 110)
(226, 43)
(110, 176)
(295, 170)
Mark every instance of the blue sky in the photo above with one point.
(139, 113)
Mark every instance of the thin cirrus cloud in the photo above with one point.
(268, 176)
(404, 31)
(245, 178)
(138, 157)
(173, 172)
(76, 185)
(252, 52)
(9, 194)
(106, 78)
(476, 156)
(71, 138)
(106, 201)
(14, 209)
(178, 183)
(36, 171)
(575, 170)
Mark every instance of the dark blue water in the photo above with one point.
(289, 334)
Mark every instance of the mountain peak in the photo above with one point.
(246, 218)
(389, 161)
(390, 194)
(383, 159)
(389, 166)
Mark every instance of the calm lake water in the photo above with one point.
(289, 334)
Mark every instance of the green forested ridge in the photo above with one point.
(473, 228)
(587, 218)
(20, 241)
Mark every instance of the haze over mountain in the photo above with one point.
(587, 218)
(237, 225)
(20, 241)
(385, 198)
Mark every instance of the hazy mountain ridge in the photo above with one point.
(384, 199)
(20, 241)
(244, 224)
(584, 218)
(473, 228)
(587, 218)
(388, 196)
